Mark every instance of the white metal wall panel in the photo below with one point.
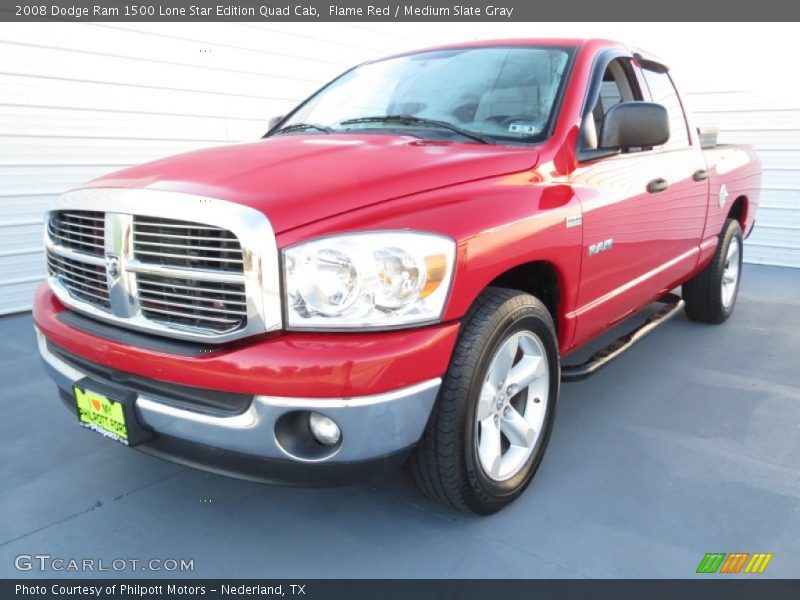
(770, 123)
(81, 100)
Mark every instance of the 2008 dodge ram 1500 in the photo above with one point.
(395, 272)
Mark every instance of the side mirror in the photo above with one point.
(273, 122)
(634, 125)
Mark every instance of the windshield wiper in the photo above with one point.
(412, 120)
(301, 127)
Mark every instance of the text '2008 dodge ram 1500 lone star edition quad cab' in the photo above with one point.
(395, 272)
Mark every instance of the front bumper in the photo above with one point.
(377, 430)
(292, 365)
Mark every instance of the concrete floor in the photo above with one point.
(688, 444)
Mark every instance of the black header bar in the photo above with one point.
(398, 10)
(419, 589)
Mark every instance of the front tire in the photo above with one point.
(492, 421)
(711, 294)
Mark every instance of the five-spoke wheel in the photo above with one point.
(511, 406)
(730, 274)
(490, 427)
(711, 294)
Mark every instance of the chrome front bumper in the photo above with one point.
(372, 427)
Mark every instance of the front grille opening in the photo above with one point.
(193, 303)
(84, 281)
(82, 231)
(184, 244)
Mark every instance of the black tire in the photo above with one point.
(445, 465)
(703, 293)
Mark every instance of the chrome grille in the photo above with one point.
(85, 281)
(164, 275)
(185, 244)
(82, 231)
(192, 303)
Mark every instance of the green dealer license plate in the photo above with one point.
(102, 414)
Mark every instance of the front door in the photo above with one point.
(625, 216)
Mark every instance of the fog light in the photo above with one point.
(324, 429)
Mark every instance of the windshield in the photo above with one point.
(500, 93)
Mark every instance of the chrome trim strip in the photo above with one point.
(355, 401)
(261, 277)
(137, 266)
(631, 284)
(50, 245)
(372, 426)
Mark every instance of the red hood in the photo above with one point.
(296, 180)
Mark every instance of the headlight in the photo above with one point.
(367, 280)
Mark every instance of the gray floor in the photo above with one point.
(688, 444)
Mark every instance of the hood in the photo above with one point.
(299, 179)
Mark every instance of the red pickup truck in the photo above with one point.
(397, 270)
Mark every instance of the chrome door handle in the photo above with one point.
(657, 185)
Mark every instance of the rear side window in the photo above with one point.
(663, 92)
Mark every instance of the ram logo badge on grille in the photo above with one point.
(112, 266)
(123, 302)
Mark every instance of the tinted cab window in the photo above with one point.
(618, 85)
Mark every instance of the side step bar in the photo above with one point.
(672, 306)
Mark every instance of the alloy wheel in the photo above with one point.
(512, 405)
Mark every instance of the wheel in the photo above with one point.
(489, 429)
(711, 294)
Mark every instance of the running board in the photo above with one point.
(672, 306)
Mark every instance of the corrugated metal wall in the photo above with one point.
(772, 125)
(81, 99)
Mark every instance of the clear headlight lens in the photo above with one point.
(367, 280)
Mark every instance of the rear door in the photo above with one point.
(682, 164)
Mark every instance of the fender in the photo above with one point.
(504, 222)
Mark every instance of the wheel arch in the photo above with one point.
(739, 210)
(539, 278)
